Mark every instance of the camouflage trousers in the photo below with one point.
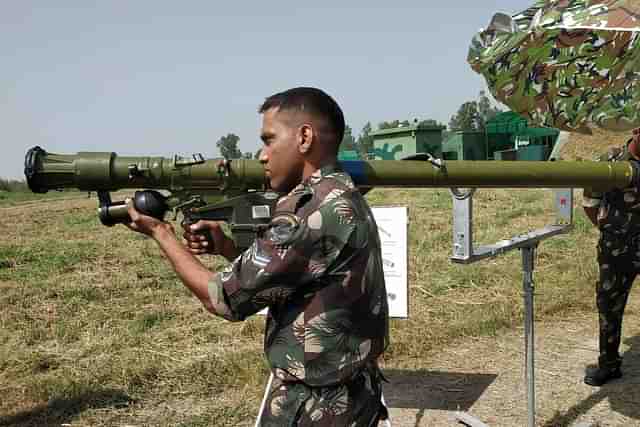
(355, 404)
(619, 262)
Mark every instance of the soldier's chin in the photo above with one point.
(273, 183)
(281, 186)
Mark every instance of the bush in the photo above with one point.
(12, 185)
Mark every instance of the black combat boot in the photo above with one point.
(607, 370)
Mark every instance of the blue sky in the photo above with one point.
(164, 77)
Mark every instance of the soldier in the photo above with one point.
(318, 268)
(617, 214)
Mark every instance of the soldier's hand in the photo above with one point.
(143, 223)
(207, 237)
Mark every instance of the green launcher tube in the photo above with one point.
(93, 171)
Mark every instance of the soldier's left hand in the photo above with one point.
(143, 223)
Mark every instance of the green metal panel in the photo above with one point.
(507, 122)
(532, 152)
(452, 148)
(505, 155)
(466, 146)
(506, 130)
(539, 132)
(499, 142)
(429, 140)
(475, 146)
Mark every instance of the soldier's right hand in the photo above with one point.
(207, 237)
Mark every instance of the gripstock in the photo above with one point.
(247, 202)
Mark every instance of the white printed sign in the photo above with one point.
(392, 229)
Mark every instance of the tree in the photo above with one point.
(365, 141)
(466, 119)
(429, 122)
(486, 111)
(257, 154)
(388, 125)
(348, 141)
(473, 115)
(228, 146)
(248, 155)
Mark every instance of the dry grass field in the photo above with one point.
(96, 330)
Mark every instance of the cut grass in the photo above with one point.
(95, 329)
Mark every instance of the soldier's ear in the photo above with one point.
(306, 137)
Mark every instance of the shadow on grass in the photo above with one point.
(422, 390)
(62, 411)
(623, 394)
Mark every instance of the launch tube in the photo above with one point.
(92, 171)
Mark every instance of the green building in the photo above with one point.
(465, 146)
(507, 136)
(397, 143)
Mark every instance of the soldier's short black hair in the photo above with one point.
(309, 100)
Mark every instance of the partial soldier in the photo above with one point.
(317, 268)
(616, 213)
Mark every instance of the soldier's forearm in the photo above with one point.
(193, 274)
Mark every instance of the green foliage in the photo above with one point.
(392, 124)
(429, 122)
(466, 119)
(365, 141)
(473, 115)
(348, 141)
(486, 110)
(228, 146)
(12, 185)
(14, 198)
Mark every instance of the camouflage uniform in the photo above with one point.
(568, 64)
(618, 257)
(319, 270)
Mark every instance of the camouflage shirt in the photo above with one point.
(618, 210)
(319, 270)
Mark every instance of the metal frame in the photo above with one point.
(464, 252)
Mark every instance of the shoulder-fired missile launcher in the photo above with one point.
(247, 201)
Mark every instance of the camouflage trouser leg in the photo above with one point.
(356, 404)
(618, 262)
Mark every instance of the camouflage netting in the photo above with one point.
(569, 64)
